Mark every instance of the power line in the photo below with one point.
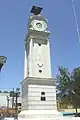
(77, 27)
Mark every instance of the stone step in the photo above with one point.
(55, 118)
(43, 115)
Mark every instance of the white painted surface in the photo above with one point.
(39, 107)
(34, 92)
(38, 58)
(9, 118)
(32, 97)
(41, 60)
(25, 65)
(43, 115)
(3, 100)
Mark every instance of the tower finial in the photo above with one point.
(36, 10)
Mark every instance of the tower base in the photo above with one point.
(43, 115)
(32, 106)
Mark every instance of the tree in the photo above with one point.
(75, 87)
(63, 79)
(68, 86)
(6, 92)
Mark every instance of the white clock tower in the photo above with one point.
(38, 86)
(37, 50)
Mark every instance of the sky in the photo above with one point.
(65, 46)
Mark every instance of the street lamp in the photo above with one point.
(2, 61)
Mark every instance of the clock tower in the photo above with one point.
(37, 50)
(38, 86)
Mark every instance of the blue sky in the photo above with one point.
(65, 47)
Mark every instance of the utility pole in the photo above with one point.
(12, 101)
(8, 104)
(16, 102)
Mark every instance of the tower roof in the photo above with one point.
(36, 10)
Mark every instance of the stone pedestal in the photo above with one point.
(38, 115)
(33, 107)
(38, 94)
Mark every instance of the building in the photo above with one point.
(6, 101)
(3, 99)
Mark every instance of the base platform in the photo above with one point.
(43, 115)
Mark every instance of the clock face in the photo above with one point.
(39, 25)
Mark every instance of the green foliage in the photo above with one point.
(68, 86)
(6, 92)
(12, 94)
(63, 79)
(75, 76)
